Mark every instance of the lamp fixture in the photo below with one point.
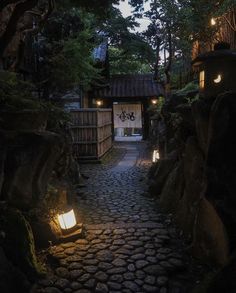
(99, 103)
(154, 101)
(70, 229)
(213, 21)
(67, 220)
(218, 78)
(202, 79)
(155, 156)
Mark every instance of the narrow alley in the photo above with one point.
(129, 245)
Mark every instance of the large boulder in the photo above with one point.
(210, 237)
(221, 159)
(195, 185)
(164, 167)
(18, 241)
(201, 110)
(172, 191)
(12, 280)
(2, 160)
(30, 159)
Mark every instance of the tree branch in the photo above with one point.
(11, 28)
(229, 23)
(4, 3)
(43, 18)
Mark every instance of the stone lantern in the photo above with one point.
(217, 70)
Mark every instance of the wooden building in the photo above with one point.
(225, 31)
(129, 97)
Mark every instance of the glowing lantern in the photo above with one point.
(216, 70)
(202, 79)
(99, 103)
(154, 101)
(218, 79)
(67, 220)
(155, 156)
(213, 21)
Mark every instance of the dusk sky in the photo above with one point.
(126, 11)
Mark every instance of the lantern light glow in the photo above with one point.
(155, 156)
(202, 79)
(67, 220)
(218, 79)
(213, 21)
(99, 103)
(154, 101)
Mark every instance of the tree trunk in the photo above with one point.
(156, 67)
(169, 63)
(11, 28)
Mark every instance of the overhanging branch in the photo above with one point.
(4, 3)
(43, 18)
(11, 28)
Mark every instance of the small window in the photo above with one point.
(202, 79)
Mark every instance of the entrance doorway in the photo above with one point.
(127, 121)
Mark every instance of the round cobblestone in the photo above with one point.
(129, 245)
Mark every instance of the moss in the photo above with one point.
(18, 242)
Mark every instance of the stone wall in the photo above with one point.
(195, 179)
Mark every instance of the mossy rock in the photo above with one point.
(18, 242)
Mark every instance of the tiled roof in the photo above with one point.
(131, 85)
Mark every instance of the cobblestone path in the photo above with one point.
(129, 246)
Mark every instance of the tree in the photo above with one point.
(65, 52)
(176, 25)
(16, 10)
(128, 51)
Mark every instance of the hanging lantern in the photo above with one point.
(155, 156)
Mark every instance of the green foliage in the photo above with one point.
(124, 63)
(156, 109)
(16, 94)
(69, 40)
(191, 86)
(74, 65)
(129, 52)
(58, 119)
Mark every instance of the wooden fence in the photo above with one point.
(91, 132)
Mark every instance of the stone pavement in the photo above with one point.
(129, 245)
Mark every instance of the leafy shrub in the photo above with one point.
(16, 94)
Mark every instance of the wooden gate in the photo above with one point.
(91, 132)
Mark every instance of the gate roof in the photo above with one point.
(131, 85)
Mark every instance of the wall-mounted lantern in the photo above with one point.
(216, 70)
(154, 101)
(155, 156)
(99, 103)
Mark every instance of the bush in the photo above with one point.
(16, 94)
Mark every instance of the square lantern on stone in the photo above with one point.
(69, 227)
(217, 70)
